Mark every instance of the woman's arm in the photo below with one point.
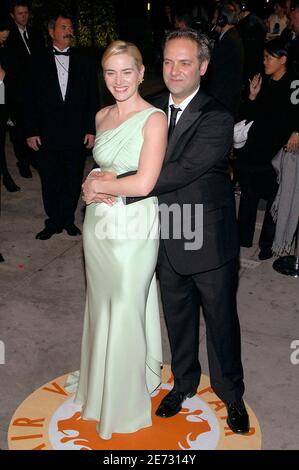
(150, 163)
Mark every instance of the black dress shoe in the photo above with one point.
(72, 230)
(47, 233)
(10, 184)
(237, 417)
(172, 403)
(34, 164)
(24, 170)
(265, 253)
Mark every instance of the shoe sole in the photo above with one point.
(169, 415)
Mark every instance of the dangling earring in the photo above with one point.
(141, 80)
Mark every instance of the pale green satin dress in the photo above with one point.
(121, 346)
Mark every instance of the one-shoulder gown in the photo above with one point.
(121, 346)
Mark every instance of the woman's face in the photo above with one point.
(273, 64)
(4, 35)
(122, 76)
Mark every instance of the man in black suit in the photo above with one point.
(290, 36)
(23, 37)
(63, 97)
(224, 77)
(23, 42)
(252, 31)
(195, 172)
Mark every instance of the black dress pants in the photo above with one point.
(182, 297)
(22, 151)
(247, 218)
(3, 120)
(61, 173)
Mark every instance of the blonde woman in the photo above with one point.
(121, 346)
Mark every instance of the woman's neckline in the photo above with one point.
(131, 117)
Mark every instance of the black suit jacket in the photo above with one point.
(9, 64)
(61, 124)
(253, 34)
(21, 59)
(15, 41)
(195, 171)
(224, 76)
(293, 46)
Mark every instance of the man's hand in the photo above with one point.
(104, 198)
(293, 142)
(101, 197)
(89, 141)
(88, 191)
(34, 142)
(89, 194)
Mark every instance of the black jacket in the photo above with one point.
(224, 76)
(253, 34)
(195, 171)
(15, 42)
(9, 62)
(61, 124)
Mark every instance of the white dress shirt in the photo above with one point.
(62, 65)
(183, 105)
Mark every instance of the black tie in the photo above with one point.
(173, 114)
(26, 39)
(56, 52)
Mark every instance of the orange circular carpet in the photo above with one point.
(49, 420)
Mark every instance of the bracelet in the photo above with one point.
(296, 133)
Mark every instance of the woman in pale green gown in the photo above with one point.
(121, 346)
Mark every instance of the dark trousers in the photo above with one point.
(247, 218)
(23, 153)
(3, 120)
(61, 173)
(215, 292)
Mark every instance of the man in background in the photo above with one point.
(62, 103)
(24, 41)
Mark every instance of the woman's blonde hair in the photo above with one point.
(123, 47)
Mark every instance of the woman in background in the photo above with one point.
(275, 119)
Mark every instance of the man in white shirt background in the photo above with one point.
(62, 101)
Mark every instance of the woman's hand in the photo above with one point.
(293, 142)
(92, 190)
(255, 86)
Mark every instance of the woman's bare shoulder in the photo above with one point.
(103, 114)
(157, 117)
